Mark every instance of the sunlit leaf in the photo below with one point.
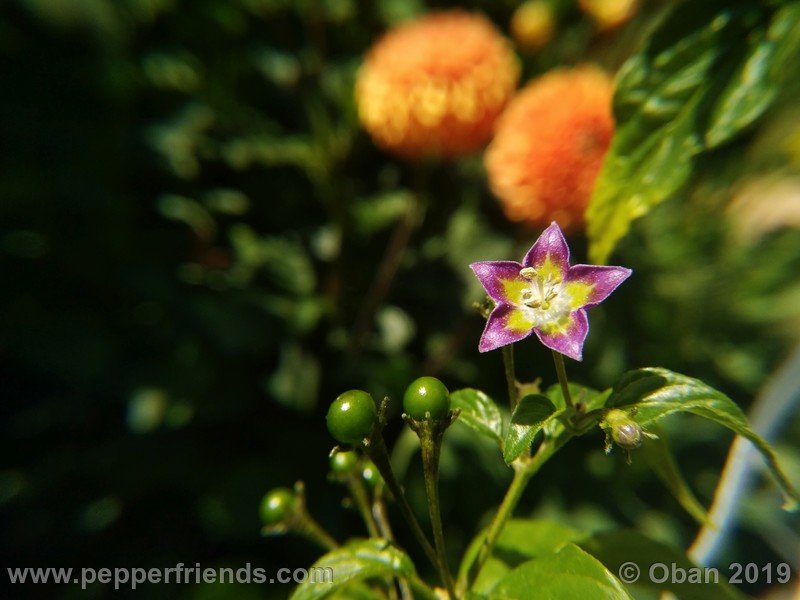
(357, 561)
(478, 412)
(568, 574)
(691, 88)
(531, 414)
(521, 540)
(655, 393)
(758, 77)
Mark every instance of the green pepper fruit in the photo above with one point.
(426, 395)
(343, 463)
(370, 474)
(277, 505)
(352, 417)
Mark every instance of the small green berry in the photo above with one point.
(352, 417)
(426, 395)
(277, 505)
(371, 474)
(343, 463)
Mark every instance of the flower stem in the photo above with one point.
(379, 455)
(511, 378)
(390, 263)
(381, 518)
(524, 471)
(359, 494)
(312, 530)
(385, 531)
(431, 447)
(558, 358)
(421, 590)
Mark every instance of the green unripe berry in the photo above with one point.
(343, 463)
(371, 474)
(277, 505)
(352, 417)
(426, 395)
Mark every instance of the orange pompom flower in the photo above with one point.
(549, 146)
(533, 25)
(609, 13)
(436, 85)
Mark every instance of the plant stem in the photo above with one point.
(360, 497)
(524, 471)
(390, 263)
(421, 590)
(314, 532)
(430, 463)
(381, 518)
(558, 358)
(379, 455)
(511, 378)
(385, 529)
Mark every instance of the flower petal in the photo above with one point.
(501, 280)
(506, 325)
(588, 285)
(567, 335)
(549, 255)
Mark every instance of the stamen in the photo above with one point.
(528, 273)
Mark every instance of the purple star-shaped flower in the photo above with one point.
(544, 295)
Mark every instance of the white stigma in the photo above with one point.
(545, 299)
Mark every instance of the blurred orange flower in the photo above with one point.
(549, 146)
(609, 13)
(533, 25)
(434, 86)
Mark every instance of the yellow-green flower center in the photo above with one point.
(543, 296)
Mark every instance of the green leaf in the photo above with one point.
(758, 78)
(521, 540)
(620, 547)
(189, 212)
(359, 560)
(295, 383)
(691, 88)
(468, 239)
(357, 591)
(571, 573)
(531, 414)
(286, 262)
(371, 215)
(657, 455)
(478, 412)
(591, 398)
(656, 393)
